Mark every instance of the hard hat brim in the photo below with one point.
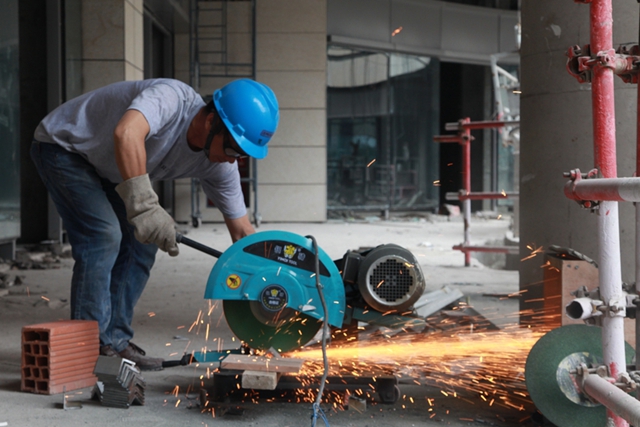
(252, 150)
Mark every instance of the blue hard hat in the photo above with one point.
(250, 111)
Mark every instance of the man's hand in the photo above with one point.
(239, 227)
(153, 224)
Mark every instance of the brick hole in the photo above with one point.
(31, 336)
(29, 384)
(44, 336)
(42, 361)
(29, 360)
(44, 349)
(36, 373)
(45, 373)
(36, 349)
(26, 372)
(26, 348)
(42, 385)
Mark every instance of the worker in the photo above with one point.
(98, 155)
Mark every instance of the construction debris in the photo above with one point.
(259, 380)
(431, 302)
(40, 257)
(120, 383)
(261, 363)
(356, 403)
(67, 404)
(9, 280)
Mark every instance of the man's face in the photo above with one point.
(220, 145)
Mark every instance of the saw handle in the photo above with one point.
(196, 245)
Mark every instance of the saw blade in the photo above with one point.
(286, 336)
(552, 388)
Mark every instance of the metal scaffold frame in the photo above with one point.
(600, 190)
(219, 66)
(465, 195)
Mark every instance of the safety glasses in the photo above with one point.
(227, 144)
(229, 149)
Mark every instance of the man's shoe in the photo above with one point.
(142, 361)
(107, 350)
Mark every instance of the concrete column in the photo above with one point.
(557, 135)
(112, 42)
(291, 58)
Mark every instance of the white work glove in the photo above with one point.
(153, 224)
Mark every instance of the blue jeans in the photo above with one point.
(111, 267)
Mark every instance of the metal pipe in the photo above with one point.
(604, 124)
(480, 125)
(464, 138)
(466, 186)
(604, 132)
(447, 138)
(481, 196)
(581, 308)
(624, 406)
(609, 189)
(496, 249)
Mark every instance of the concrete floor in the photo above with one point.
(174, 296)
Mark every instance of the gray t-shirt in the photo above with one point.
(85, 125)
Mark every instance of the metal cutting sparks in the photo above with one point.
(534, 252)
(489, 365)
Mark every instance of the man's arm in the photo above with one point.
(152, 223)
(239, 227)
(129, 136)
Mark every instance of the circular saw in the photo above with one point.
(267, 282)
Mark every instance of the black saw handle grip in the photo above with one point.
(185, 360)
(196, 245)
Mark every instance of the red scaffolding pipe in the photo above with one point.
(464, 138)
(602, 64)
(602, 94)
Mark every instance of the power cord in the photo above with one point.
(317, 411)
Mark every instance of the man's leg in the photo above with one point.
(92, 227)
(128, 276)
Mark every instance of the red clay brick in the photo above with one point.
(59, 356)
(72, 385)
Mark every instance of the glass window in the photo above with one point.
(73, 48)
(382, 111)
(9, 123)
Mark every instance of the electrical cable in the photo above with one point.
(317, 411)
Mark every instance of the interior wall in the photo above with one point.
(556, 136)
(291, 58)
(112, 42)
